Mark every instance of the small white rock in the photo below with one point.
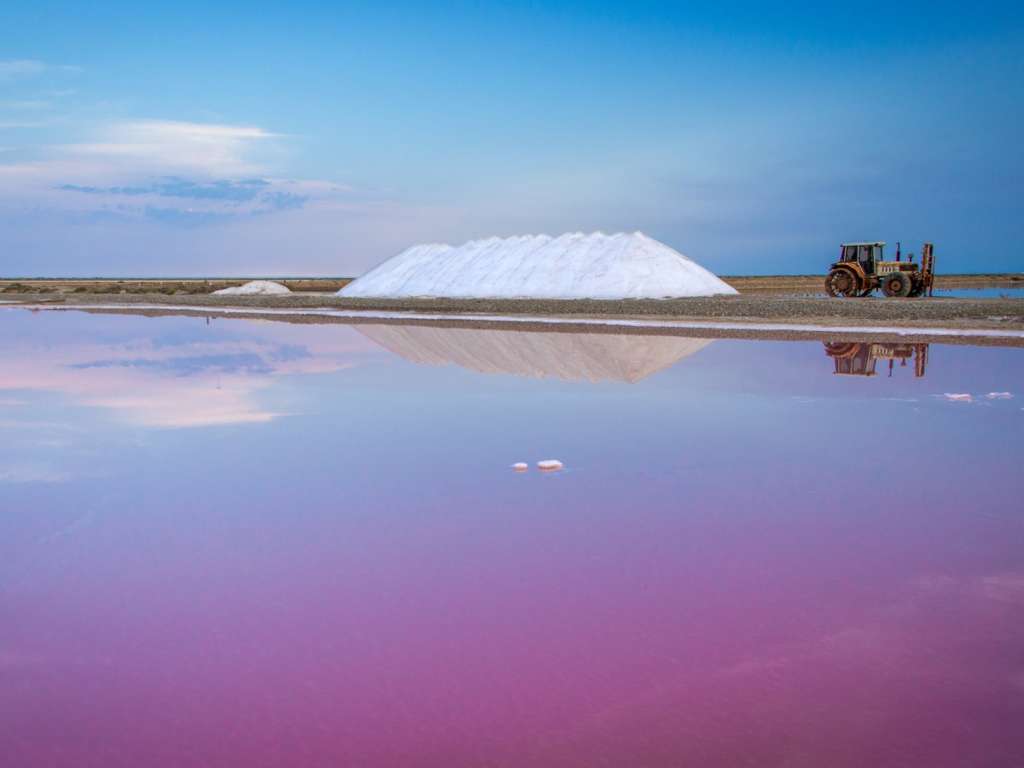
(520, 466)
(549, 465)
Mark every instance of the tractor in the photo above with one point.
(862, 268)
(859, 358)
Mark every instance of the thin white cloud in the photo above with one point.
(175, 145)
(9, 124)
(28, 67)
(26, 104)
(999, 396)
(166, 170)
(958, 397)
(21, 68)
(121, 151)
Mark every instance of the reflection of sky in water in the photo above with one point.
(1009, 292)
(1002, 292)
(747, 559)
(187, 374)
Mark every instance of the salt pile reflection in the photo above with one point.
(579, 356)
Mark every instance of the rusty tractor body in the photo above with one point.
(862, 269)
(859, 358)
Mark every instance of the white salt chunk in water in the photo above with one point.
(959, 397)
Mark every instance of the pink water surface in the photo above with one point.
(340, 568)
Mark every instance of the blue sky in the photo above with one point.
(322, 138)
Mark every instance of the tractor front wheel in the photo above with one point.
(897, 284)
(842, 282)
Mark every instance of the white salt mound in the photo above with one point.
(572, 266)
(254, 288)
(549, 464)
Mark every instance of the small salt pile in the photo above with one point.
(520, 466)
(254, 288)
(549, 465)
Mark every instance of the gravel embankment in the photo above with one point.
(933, 312)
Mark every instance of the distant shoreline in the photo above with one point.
(746, 284)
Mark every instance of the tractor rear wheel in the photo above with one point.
(896, 284)
(842, 282)
(841, 348)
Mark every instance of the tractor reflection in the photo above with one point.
(853, 358)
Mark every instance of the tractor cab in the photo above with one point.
(865, 254)
(852, 359)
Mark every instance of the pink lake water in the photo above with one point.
(235, 543)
